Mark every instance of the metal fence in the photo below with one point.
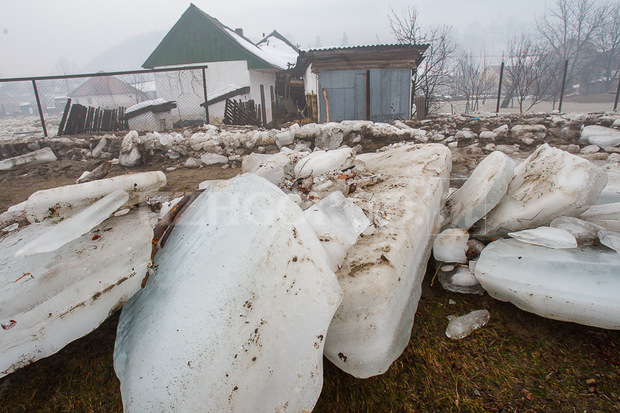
(57, 105)
(492, 89)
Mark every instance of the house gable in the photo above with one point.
(198, 38)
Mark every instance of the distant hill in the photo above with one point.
(128, 55)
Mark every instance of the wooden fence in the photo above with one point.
(84, 119)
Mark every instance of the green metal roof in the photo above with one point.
(199, 38)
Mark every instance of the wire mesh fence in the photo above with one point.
(503, 88)
(63, 105)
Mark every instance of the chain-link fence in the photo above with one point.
(155, 99)
(472, 86)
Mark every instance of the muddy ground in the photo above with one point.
(518, 362)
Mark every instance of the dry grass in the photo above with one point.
(518, 362)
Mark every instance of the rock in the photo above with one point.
(213, 159)
(461, 327)
(130, 153)
(234, 325)
(58, 203)
(546, 237)
(319, 162)
(464, 134)
(451, 245)
(585, 232)
(578, 285)
(507, 149)
(482, 191)
(382, 273)
(601, 136)
(51, 299)
(550, 183)
(38, 157)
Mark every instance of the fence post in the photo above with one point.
(204, 84)
(617, 94)
(36, 95)
(563, 84)
(499, 89)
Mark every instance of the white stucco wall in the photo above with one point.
(311, 81)
(186, 88)
(268, 80)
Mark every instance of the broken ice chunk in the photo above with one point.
(601, 136)
(274, 168)
(546, 237)
(41, 156)
(461, 280)
(451, 245)
(319, 162)
(550, 183)
(579, 285)
(585, 232)
(482, 191)
(610, 239)
(236, 316)
(58, 203)
(461, 327)
(58, 235)
(60, 296)
(604, 215)
(337, 222)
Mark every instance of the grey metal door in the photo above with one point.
(390, 94)
(346, 95)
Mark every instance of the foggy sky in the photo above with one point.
(35, 35)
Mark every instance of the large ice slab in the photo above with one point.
(549, 237)
(50, 299)
(38, 157)
(482, 191)
(604, 215)
(579, 285)
(382, 273)
(236, 316)
(61, 202)
(550, 183)
(66, 231)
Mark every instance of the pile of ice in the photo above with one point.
(75, 265)
(561, 261)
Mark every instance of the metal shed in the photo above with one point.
(361, 83)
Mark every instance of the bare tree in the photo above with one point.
(433, 73)
(607, 43)
(569, 28)
(472, 79)
(529, 72)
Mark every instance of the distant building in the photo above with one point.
(237, 68)
(106, 92)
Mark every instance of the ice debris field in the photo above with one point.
(307, 253)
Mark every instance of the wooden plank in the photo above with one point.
(63, 120)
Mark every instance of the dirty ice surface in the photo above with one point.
(550, 183)
(50, 299)
(382, 274)
(546, 237)
(579, 285)
(38, 157)
(236, 315)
